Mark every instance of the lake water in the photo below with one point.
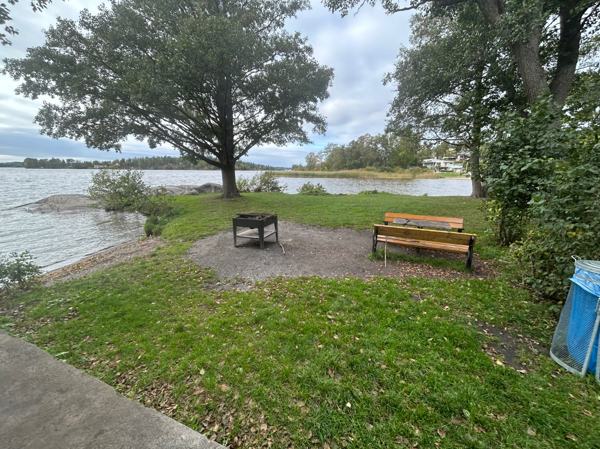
(60, 239)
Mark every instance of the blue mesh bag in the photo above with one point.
(575, 342)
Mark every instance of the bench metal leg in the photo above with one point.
(235, 236)
(470, 254)
(374, 241)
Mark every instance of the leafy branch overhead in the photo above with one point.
(211, 79)
(36, 5)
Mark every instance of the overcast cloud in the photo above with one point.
(360, 48)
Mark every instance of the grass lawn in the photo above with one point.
(313, 362)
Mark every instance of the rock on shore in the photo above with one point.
(61, 203)
(209, 187)
(76, 202)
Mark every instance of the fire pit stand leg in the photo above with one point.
(261, 236)
(276, 233)
(234, 235)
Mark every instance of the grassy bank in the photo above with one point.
(313, 362)
(360, 174)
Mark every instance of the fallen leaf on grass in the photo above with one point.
(197, 392)
(588, 413)
(572, 437)
(441, 433)
(225, 388)
(531, 432)
(263, 427)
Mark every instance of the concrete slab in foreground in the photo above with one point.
(46, 403)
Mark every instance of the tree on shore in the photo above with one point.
(211, 79)
(453, 82)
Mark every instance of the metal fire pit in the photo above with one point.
(257, 223)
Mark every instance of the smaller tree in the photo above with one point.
(18, 271)
(126, 191)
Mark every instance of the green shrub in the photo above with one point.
(126, 191)
(18, 270)
(151, 227)
(369, 192)
(519, 162)
(261, 182)
(566, 217)
(310, 189)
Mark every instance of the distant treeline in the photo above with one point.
(141, 163)
(383, 152)
(11, 164)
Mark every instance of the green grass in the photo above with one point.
(313, 362)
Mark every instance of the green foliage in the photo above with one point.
(380, 153)
(261, 182)
(566, 216)
(18, 271)
(151, 227)
(309, 188)
(519, 162)
(126, 191)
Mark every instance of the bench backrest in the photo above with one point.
(455, 223)
(457, 238)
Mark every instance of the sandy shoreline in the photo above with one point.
(102, 260)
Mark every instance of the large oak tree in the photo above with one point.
(211, 78)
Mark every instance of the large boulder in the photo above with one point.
(209, 187)
(62, 203)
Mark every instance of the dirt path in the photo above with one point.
(315, 251)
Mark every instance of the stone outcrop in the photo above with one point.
(62, 203)
(209, 187)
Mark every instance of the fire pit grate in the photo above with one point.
(256, 222)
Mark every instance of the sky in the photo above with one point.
(361, 48)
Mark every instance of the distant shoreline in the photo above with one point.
(363, 174)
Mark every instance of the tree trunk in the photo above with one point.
(479, 187)
(229, 186)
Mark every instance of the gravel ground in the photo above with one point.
(316, 251)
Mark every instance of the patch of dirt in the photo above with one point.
(518, 352)
(102, 261)
(317, 251)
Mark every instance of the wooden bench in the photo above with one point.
(425, 238)
(455, 223)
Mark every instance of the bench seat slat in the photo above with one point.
(464, 249)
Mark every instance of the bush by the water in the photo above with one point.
(311, 189)
(543, 176)
(18, 271)
(126, 191)
(261, 182)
